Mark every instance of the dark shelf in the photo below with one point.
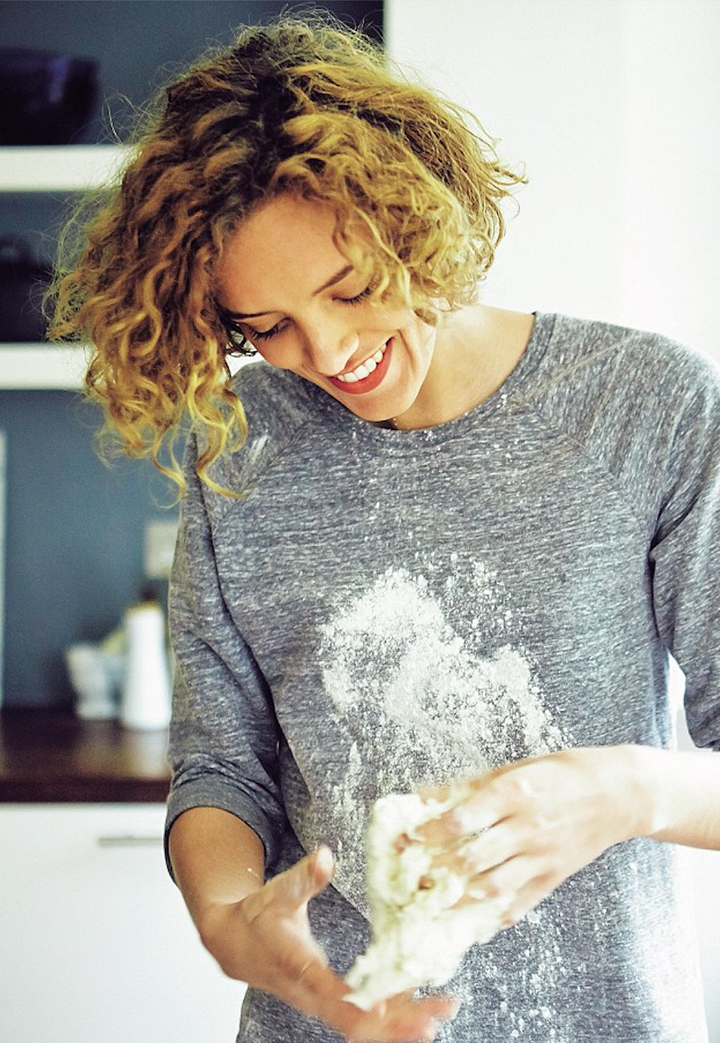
(52, 756)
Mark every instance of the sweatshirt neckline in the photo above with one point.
(334, 413)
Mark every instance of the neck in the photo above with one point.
(476, 349)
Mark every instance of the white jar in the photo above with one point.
(146, 697)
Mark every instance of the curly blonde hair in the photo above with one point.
(304, 104)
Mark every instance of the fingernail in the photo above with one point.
(464, 820)
(324, 860)
(476, 891)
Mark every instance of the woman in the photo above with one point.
(437, 541)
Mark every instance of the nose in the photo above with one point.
(330, 346)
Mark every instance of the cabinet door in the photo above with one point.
(96, 945)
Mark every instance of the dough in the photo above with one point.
(419, 937)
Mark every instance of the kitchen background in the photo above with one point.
(95, 942)
(613, 105)
(76, 530)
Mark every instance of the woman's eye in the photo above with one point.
(358, 296)
(254, 335)
(264, 334)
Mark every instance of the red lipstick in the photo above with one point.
(368, 383)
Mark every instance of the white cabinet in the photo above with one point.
(58, 168)
(55, 169)
(41, 367)
(96, 945)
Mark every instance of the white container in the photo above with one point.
(145, 700)
(95, 676)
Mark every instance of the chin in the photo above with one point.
(372, 416)
(376, 412)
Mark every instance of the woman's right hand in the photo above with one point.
(266, 941)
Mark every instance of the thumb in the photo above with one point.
(322, 867)
(306, 878)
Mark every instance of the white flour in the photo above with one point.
(419, 937)
(418, 696)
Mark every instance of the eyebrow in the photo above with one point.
(332, 281)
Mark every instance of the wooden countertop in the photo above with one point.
(50, 756)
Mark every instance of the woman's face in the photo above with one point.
(296, 298)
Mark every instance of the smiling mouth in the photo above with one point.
(367, 375)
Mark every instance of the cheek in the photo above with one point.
(278, 353)
(400, 318)
(416, 334)
(420, 339)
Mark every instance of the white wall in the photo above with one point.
(614, 108)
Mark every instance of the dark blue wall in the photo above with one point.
(75, 530)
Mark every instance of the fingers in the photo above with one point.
(408, 1019)
(471, 855)
(401, 1019)
(296, 886)
(287, 961)
(322, 866)
(503, 883)
(481, 804)
(512, 903)
(495, 839)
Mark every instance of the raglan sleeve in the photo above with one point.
(224, 737)
(686, 553)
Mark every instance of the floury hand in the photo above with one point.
(265, 940)
(520, 831)
(458, 864)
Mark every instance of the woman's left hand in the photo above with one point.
(520, 831)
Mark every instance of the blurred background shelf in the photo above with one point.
(59, 168)
(42, 367)
(43, 169)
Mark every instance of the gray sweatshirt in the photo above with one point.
(388, 609)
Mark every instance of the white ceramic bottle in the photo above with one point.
(145, 700)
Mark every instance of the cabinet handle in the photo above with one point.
(130, 840)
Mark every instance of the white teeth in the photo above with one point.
(363, 370)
